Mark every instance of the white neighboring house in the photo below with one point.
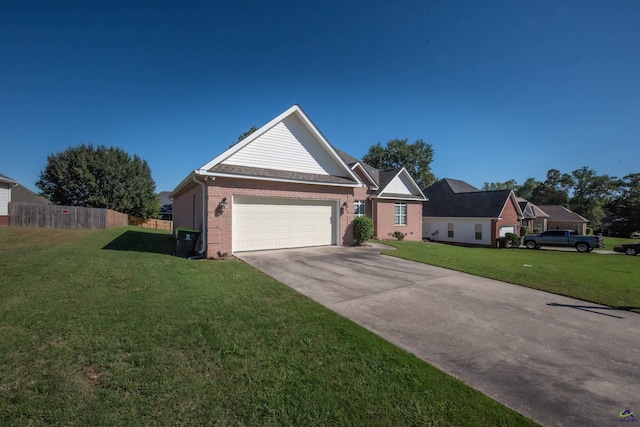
(6, 184)
(457, 212)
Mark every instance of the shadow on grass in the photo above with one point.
(137, 241)
(592, 308)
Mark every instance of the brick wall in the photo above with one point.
(509, 217)
(384, 212)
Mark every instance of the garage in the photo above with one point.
(268, 223)
(505, 230)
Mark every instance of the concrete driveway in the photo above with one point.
(557, 360)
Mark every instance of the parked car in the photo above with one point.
(629, 248)
(563, 238)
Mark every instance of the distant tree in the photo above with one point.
(591, 193)
(507, 185)
(416, 158)
(100, 178)
(626, 205)
(251, 130)
(526, 190)
(554, 190)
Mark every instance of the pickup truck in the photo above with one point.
(563, 238)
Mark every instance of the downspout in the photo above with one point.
(203, 235)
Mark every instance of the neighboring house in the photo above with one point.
(562, 218)
(13, 191)
(457, 212)
(286, 186)
(166, 206)
(533, 217)
(6, 184)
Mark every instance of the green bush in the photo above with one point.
(524, 230)
(513, 240)
(589, 231)
(398, 235)
(362, 229)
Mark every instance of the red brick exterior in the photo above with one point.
(509, 217)
(384, 219)
(4, 220)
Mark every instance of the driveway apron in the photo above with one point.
(557, 360)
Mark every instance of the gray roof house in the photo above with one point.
(563, 218)
(12, 191)
(458, 212)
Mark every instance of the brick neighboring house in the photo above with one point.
(13, 191)
(563, 218)
(457, 212)
(533, 217)
(286, 186)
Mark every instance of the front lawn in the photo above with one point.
(107, 328)
(612, 280)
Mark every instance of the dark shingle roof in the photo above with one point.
(22, 194)
(279, 174)
(446, 199)
(560, 213)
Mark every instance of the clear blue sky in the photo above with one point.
(500, 89)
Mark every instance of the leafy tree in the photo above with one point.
(251, 130)
(554, 190)
(590, 194)
(507, 185)
(526, 190)
(100, 178)
(626, 205)
(416, 158)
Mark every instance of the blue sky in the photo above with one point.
(500, 89)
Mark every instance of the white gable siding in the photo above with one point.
(5, 198)
(464, 230)
(287, 146)
(401, 184)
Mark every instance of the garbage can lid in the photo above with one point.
(187, 230)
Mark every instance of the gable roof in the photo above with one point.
(529, 210)
(289, 148)
(22, 194)
(561, 214)
(7, 180)
(448, 198)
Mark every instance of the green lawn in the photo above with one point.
(107, 328)
(612, 280)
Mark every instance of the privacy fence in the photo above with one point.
(53, 216)
(158, 224)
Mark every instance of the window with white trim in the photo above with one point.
(400, 214)
(358, 208)
(478, 231)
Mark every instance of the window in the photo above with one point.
(450, 230)
(400, 214)
(358, 208)
(478, 231)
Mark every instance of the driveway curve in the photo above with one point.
(557, 360)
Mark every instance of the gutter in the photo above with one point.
(203, 234)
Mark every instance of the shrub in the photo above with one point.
(398, 235)
(589, 231)
(635, 235)
(362, 229)
(513, 240)
(524, 230)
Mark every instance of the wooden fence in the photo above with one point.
(158, 224)
(53, 216)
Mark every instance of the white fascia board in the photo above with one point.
(295, 109)
(514, 199)
(261, 178)
(374, 185)
(413, 183)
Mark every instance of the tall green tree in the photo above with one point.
(507, 185)
(100, 178)
(526, 189)
(416, 158)
(554, 190)
(591, 192)
(626, 205)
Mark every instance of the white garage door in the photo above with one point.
(265, 223)
(505, 230)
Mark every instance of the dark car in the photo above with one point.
(629, 249)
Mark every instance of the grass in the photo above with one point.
(107, 328)
(612, 280)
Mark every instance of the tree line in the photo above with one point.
(587, 193)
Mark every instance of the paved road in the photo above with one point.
(557, 360)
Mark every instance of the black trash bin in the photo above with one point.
(186, 239)
(502, 242)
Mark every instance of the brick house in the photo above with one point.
(457, 212)
(286, 186)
